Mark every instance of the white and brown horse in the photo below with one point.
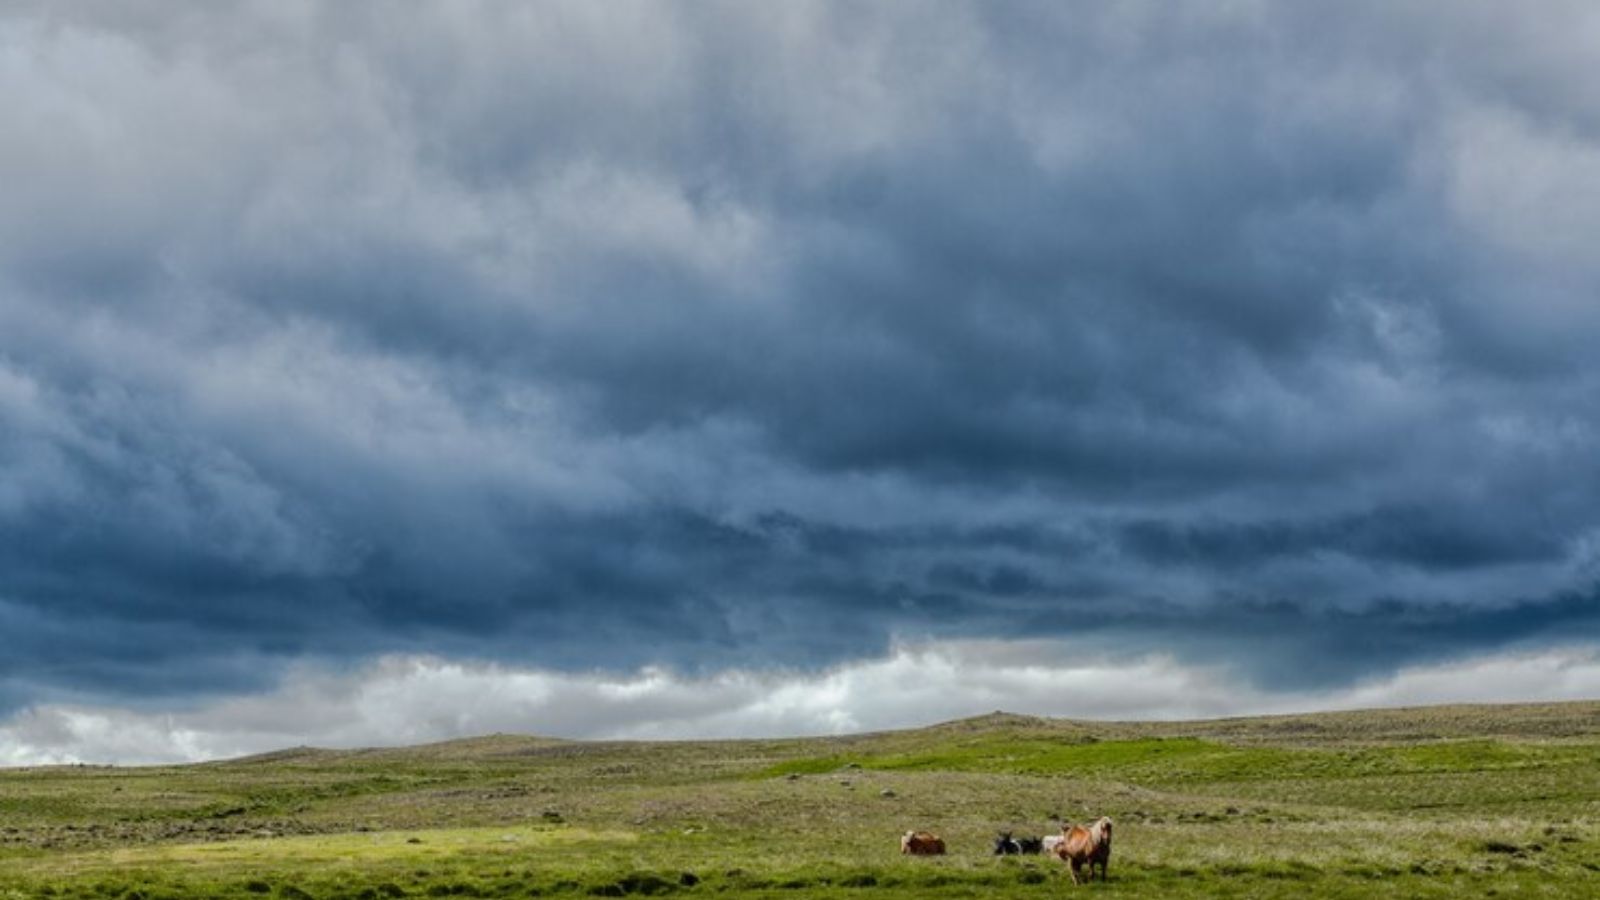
(1090, 845)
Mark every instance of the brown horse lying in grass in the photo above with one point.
(921, 843)
(1090, 845)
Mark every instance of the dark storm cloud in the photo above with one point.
(1439, 539)
(601, 336)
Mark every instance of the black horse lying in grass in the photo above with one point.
(1006, 845)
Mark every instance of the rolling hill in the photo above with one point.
(1430, 802)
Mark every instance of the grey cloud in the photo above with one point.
(596, 337)
(399, 700)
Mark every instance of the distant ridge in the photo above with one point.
(286, 755)
(997, 719)
(1565, 719)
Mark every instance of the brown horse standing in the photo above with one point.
(1090, 845)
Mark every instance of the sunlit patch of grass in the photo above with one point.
(1000, 753)
(390, 846)
(1186, 759)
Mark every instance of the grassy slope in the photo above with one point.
(1440, 802)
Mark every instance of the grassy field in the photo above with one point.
(1499, 801)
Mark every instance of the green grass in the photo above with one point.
(1181, 760)
(1448, 802)
(1192, 757)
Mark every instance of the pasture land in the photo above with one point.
(1499, 801)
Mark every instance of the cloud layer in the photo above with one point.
(707, 337)
(410, 700)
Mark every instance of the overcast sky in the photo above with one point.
(444, 372)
